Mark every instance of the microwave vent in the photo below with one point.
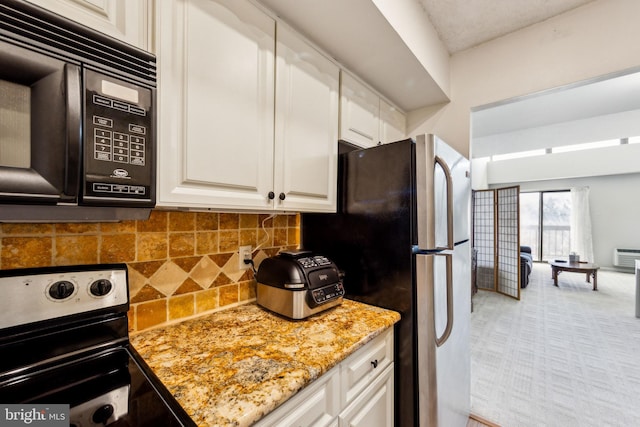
(29, 24)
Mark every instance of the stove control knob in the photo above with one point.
(100, 287)
(61, 290)
(102, 414)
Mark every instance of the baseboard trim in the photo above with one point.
(483, 421)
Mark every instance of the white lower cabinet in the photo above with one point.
(317, 405)
(357, 392)
(374, 406)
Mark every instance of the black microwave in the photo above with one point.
(77, 121)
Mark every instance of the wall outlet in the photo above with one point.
(244, 252)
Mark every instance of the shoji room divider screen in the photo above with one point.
(496, 240)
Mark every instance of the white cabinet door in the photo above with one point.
(306, 126)
(359, 113)
(374, 407)
(126, 20)
(216, 115)
(392, 123)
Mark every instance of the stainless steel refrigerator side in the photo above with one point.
(453, 358)
(425, 187)
(388, 230)
(424, 277)
(427, 375)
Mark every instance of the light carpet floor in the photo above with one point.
(561, 356)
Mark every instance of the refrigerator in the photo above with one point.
(401, 236)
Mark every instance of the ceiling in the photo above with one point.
(583, 101)
(358, 36)
(599, 109)
(462, 24)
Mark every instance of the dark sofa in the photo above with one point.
(526, 264)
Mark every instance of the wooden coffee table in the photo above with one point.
(591, 270)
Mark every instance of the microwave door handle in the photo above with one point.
(74, 129)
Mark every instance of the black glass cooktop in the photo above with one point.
(107, 387)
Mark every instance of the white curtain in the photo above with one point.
(581, 237)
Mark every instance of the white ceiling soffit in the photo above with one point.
(602, 99)
(355, 33)
(462, 24)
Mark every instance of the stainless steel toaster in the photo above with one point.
(298, 284)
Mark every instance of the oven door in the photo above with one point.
(40, 114)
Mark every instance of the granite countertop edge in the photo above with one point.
(235, 366)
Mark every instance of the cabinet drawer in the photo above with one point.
(365, 365)
(316, 405)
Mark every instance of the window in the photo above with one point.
(586, 146)
(518, 155)
(545, 223)
(634, 139)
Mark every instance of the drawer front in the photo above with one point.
(360, 369)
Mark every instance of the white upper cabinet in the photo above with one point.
(217, 118)
(365, 118)
(126, 20)
(359, 113)
(216, 104)
(393, 123)
(306, 134)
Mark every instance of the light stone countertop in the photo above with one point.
(235, 366)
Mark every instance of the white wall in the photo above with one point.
(595, 40)
(615, 210)
(600, 128)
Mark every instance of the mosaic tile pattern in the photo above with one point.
(180, 263)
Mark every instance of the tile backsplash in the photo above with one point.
(180, 264)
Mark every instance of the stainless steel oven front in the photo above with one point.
(64, 341)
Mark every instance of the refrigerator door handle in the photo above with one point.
(426, 162)
(449, 185)
(440, 340)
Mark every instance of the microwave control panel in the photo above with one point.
(119, 138)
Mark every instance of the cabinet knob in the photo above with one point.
(271, 195)
(282, 196)
(374, 363)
